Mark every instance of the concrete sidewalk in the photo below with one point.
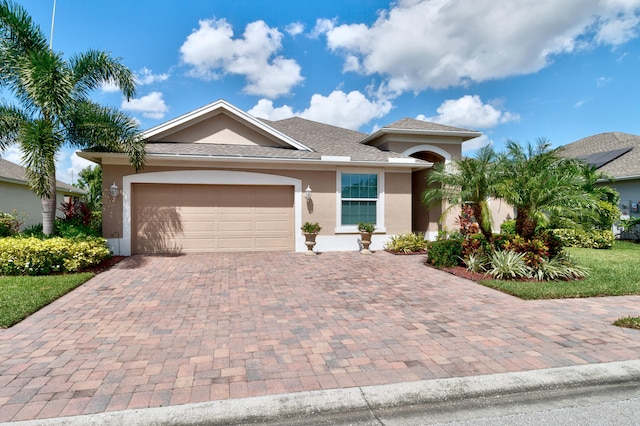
(176, 331)
(361, 404)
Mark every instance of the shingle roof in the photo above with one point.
(411, 124)
(323, 139)
(627, 164)
(16, 173)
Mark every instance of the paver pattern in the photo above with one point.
(157, 331)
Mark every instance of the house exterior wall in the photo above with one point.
(322, 207)
(220, 129)
(28, 206)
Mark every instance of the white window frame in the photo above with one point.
(380, 227)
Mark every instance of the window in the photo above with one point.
(359, 198)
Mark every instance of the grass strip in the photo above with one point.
(20, 296)
(613, 272)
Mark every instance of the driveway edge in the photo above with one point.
(366, 398)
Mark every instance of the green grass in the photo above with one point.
(613, 272)
(628, 322)
(20, 296)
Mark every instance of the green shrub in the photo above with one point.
(561, 267)
(577, 238)
(474, 244)
(34, 256)
(409, 242)
(445, 253)
(508, 227)
(477, 262)
(508, 265)
(9, 224)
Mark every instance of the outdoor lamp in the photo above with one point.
(307, 193)
(113, 190)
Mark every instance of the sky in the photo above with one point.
(512, 69)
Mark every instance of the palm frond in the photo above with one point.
(95, 126)
(40, 142)
(94, 67)
(12, 119)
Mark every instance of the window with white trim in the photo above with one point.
(359, 198)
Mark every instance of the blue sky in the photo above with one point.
(517, 69)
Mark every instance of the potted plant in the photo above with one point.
(310, 231)
(366, 230)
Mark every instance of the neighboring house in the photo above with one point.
(15, 194)
(616, 155)
(219, 179)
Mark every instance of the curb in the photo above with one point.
(368, 398)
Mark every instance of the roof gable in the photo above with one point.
(220, 123)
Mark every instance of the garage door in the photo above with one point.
(208, 218)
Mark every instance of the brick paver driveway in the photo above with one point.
(156, 331)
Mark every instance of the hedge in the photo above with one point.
(576, 238)
(35, 256)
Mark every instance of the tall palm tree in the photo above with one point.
(538, 182)
(467, 180)
(53, 108)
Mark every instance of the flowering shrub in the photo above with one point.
(34, 256)
(577, 238)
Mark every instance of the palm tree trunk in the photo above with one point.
(49, 209)
(484, 228)
(525, 225)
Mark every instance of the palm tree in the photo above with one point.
(53, 108)
(467, 180)
(537, 182)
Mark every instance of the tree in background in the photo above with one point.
(539, 183)
(53, 108)
(468, 181)
(90, 179)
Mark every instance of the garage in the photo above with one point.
(184, 218)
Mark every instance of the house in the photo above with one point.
(15, 194)
(616, 155)
(219, 179)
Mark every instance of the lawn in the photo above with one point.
(613, 272)
(20, 296)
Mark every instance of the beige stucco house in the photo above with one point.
(219, 179)
(15, 194)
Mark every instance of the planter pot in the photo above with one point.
(310, 242)
(365, 240)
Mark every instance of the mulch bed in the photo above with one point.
(104, 265)
(462, 272)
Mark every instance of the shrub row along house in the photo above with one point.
(219, 179)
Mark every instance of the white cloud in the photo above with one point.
(109, 87)
(70, 174)
(439, 43)
(322, 27)
(146, 76)
(212, 52)
(470, 112)
(470, 146)
(264, 109)
(13, 154)
(294, 29)
(151, 105)
(348, 110)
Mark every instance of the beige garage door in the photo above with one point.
(208, 218)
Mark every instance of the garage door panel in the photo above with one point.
(201, 218)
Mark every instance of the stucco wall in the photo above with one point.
(321, 208)
(27, 205)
